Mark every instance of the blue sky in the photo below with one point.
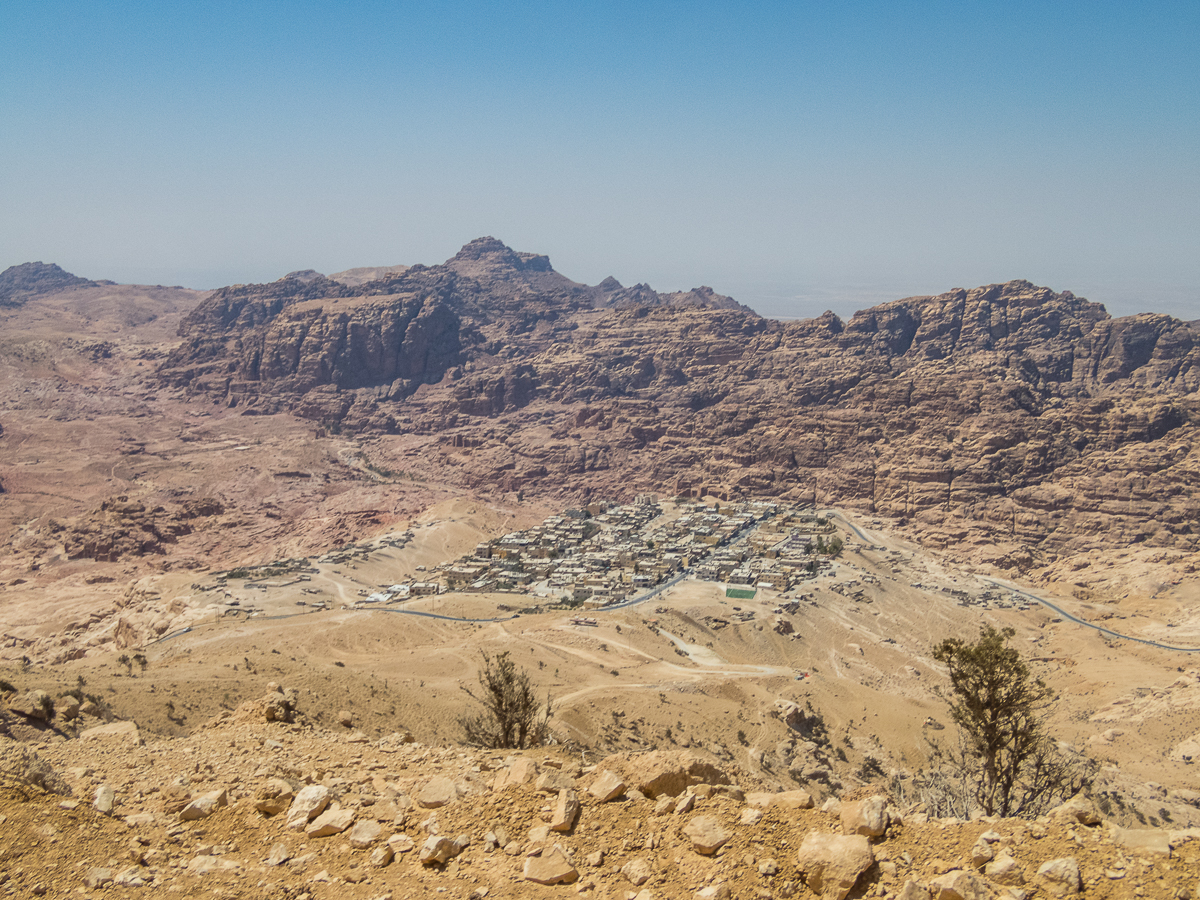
(799, 156)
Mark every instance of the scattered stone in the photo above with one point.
(345, 718)
(1004, 870)
(607, 787)
(595, 859)
(706, 834)
(832, 863)
(382, 856)
(400, 843)
(1078, 809)
(436, 793)
(685, 804)
(131, 877)
(67, 708)
(364, 834)
(104, 800)
(309, 803)
(97, 878)
(866, 817)
(981, 853)
(126, 732)
(750, 816)
(203, 806)
(1061, 874)
(960, 885)
(330, 822)
(714, 892)
(638, 871)
(279, 855)
(33, 704)
(553, 781)
(273, 797)
(438, 850)
(913, 890)
(565, 811)
(550, 868)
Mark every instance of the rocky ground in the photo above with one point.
(250, 808)
(399, 415)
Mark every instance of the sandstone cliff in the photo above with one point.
(1023, 422)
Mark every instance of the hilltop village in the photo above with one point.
(604, 554)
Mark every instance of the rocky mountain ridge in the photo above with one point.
(1018, 421)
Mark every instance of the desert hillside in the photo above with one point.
(713, 540)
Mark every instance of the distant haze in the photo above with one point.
(796, 156)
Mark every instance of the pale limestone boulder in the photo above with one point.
(637, 871)
(279, 855)
(364, 834)
(1079, 809)
(437, 792)
(607, 787)
(551, 867)
(866, 817)
(330, 822)
(308, 803)
(832, 863)
(913, 890)
(566, 811)
(961, 885)
(1061, 875)
(1004, 870)
(122, 732)
(35, 704)
(204, 805)
(439, 849)
(706, 834)
(105, 800)
(554, 780)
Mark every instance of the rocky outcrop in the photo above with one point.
(1009, 421)
(32, 279)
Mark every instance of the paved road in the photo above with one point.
(1066, 615)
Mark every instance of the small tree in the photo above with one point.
(1014, 767)
(512, 716)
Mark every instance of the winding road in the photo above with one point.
(1066, 615)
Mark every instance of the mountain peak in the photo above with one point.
(32, 279)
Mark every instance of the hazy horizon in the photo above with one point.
(794, 157)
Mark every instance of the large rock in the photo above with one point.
(1078, 809)
(116, 732)
(105, 800)
(551, 867)
(832, 863)
(204, 805)
(330, 822)
(33, 704)
(606, 787)
(364, 834)
(706, 834)
(1061, 875)
(309, 803)
(662, 772)
(566, 810)
(439, 849)
(437, 792)
(867, 817)
(1003, 869)
(961, 885)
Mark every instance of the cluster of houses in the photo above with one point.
(604, 553)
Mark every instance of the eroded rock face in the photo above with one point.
(1009, 421)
